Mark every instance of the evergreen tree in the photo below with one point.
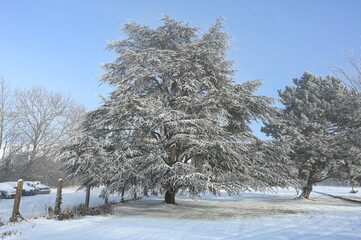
(176, 121)
(319, 120)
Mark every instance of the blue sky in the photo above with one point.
(60, 44)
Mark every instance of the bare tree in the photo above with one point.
(45, 120)
(10, 140)
(352, 74)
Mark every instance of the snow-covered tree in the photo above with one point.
(351, 75)
(349, 137)
(319, 118)
(176, 121)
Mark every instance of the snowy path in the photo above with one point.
(254, 216)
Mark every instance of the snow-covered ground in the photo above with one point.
(252, 216)
(36, 206)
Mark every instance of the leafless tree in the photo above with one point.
(33, 124)
(352, 74)
(45, 120)
(10, 140)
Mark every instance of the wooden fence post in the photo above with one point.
(19, 191)
(87, 196)
(58, 197)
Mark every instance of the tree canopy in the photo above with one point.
(320, 120)
(176, 120)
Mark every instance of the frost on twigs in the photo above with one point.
(176, 120)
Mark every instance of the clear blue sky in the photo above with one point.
(60, 44)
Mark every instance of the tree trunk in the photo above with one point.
(87, 196)
(306, 191)
(145, 191)
(122, 195)
(170, 196)
(311, 180)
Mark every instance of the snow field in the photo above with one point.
(252, 216)
(37, 206)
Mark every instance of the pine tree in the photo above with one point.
(176, 121)
(318, 120)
